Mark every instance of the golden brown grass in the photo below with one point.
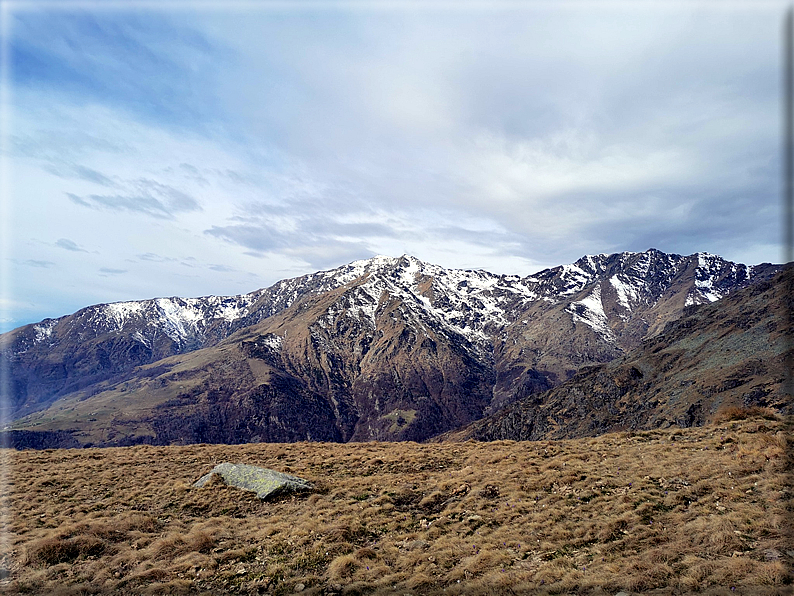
(655, 512)
(742, 413)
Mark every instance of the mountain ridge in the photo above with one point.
(718, 355)
(177, 313)
(386, 348)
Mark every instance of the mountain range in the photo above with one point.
(398, 349)
(731, 353)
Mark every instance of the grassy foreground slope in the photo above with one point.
(655, 512)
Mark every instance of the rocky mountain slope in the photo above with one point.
(387, 348)
(732, 353)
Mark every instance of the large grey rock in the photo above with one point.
(265, 483)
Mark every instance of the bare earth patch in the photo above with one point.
(655, 512)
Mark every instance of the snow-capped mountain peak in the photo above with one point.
(343, 348)
(476, 304)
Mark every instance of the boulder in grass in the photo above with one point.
(265, 483)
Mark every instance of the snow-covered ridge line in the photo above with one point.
(178, 318)
(181, 311)
(474, 303)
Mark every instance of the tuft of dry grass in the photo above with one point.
(51, 551)
(743, 413)
(655, 512)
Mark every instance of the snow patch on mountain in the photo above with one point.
(120, 312)
(230, 309)
(626, 292)
(470, 301)
(463, 302)
(574, 279)
(43, 331)
(365, 301)
(348, 273)
(476, 304)
(707, 290)
(710, 269)
(139, 337)
(180, 318)
(706, 260)
(590, 311)
(272, 341)
(642, 266)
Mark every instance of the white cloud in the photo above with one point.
(278, 142)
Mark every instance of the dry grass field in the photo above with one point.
(701, 510)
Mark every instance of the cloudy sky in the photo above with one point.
(203, 149)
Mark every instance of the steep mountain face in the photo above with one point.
(388, 348)
(602, 306)
(731, 353)
(56, 357)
